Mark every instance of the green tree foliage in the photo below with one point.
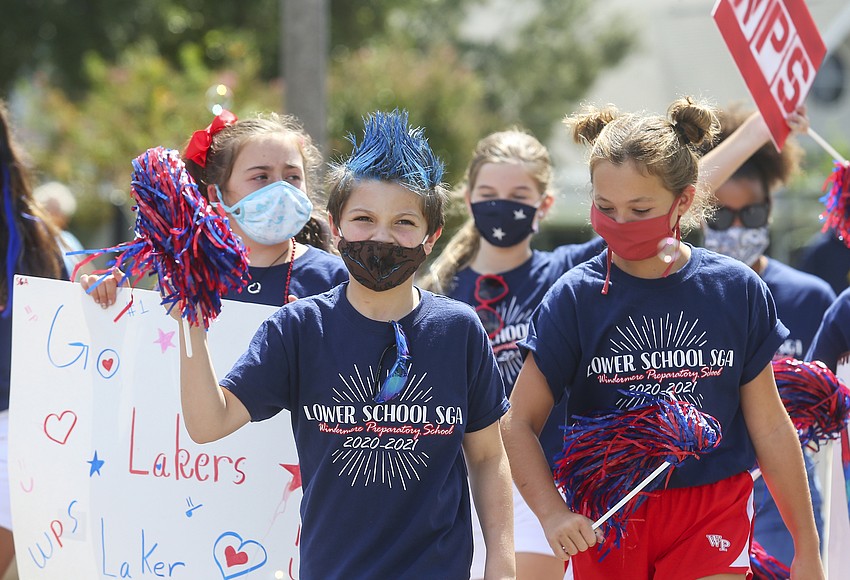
(140, 102)
(441, 94)
(107, 79)
(538, 76)
(58, 35)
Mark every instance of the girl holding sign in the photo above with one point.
(394, 391)
(697, 325)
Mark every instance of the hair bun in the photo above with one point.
(695, 123)
(588, 124)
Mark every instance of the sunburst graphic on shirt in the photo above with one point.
(516, 319)
(668, 333)
(391, 459)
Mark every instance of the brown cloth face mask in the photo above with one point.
(380, 266)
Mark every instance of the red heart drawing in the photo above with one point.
(107, 363)
(233, 557)
(59, 427)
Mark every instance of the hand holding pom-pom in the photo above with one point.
(180, 238)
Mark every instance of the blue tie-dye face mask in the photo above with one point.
(272, 214)
(744, 244)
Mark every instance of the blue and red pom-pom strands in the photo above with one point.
(607, 455)
(837, 201)
(180, 238)
(816, 400)
(765, 566)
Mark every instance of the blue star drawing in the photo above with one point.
(96, 464)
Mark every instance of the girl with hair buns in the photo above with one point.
(698, 325)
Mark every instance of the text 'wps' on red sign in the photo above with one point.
(778, 49)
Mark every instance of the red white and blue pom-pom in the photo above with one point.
(180, 238)
(765, 566)
(837, 201)
(606, 455)
(817, 401)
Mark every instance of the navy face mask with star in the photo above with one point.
(502, 222)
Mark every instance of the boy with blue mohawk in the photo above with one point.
(393, 390)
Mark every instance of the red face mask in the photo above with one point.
(637, 240)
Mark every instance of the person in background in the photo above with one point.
(410, 371)
(739, 228)
(61, 205)
(28, 245)
(490, 265)
(649, 296)
(827, 256)
(262, 171)
(831, 346)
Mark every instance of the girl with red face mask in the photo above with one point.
(640, 317)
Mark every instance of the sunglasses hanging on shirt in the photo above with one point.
(396, 378)
(490, 289)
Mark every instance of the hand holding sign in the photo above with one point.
(778, 50)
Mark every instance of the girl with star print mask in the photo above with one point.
(490, 265)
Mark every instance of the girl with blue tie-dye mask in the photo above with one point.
(261, 171)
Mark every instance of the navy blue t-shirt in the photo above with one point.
(313, 272)
(527, 285)
(385, 485)
(801, 300)
(831, 344)
(827, 257)
(701, 333)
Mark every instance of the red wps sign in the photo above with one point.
(778, 50)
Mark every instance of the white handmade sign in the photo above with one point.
(105, 481)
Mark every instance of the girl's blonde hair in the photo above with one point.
(511, 146)
(668, 148)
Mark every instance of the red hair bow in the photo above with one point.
(201, 140)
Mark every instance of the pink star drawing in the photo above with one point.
(165, 340)
(295, 470)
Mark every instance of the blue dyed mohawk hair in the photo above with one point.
(392, 151)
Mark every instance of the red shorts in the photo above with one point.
(685, 533)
